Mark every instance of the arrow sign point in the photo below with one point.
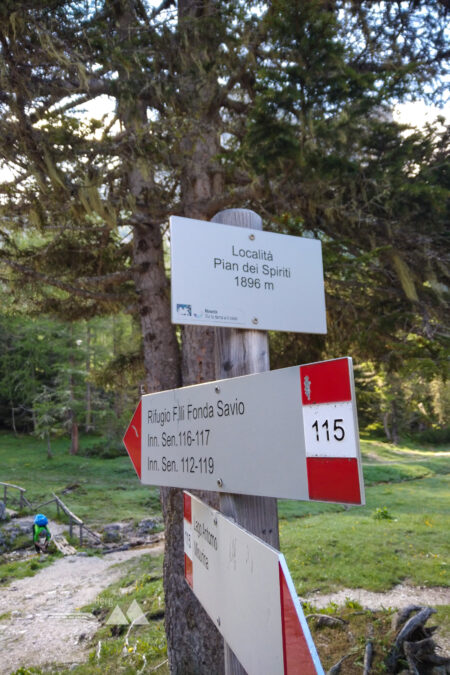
(133, 439)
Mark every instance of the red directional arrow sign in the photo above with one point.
(133, 439)
(289, 433)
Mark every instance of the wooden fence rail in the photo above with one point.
(23, 501)
(60, 506)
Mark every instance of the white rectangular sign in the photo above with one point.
(289, 433)
(245, 587)
(244, 278)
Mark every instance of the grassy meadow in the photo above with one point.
(97, 490)
(399, 536)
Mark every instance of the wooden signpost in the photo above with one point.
(221, 435)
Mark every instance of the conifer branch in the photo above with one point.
(62, 285)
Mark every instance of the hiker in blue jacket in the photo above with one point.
(41, 533)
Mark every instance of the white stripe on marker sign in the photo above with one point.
(330, 430)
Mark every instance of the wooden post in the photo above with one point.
(70, 526)
(243, 352)
(81, 534)
(5, 490)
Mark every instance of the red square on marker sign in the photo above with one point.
(326, 382)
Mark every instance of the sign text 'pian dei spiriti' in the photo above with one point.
(232, 276)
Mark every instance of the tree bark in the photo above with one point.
(13, 418)
(49, 447)
(88, 419)
(194, 643)
(74, 441)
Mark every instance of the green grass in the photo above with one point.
(13, 570)
(141, 582)
(400, 535)
(105, 490)
(357, 549)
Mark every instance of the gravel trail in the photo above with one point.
(38, 615)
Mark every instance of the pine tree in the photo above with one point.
(278, 107)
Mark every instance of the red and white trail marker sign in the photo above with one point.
(245, 587)
(289, 433)
(330, 428)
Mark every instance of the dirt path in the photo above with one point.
(40, 623)
(399, 596)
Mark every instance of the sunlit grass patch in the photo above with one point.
(353, 549)
(13, 570)
(97, 490)
(125, 648)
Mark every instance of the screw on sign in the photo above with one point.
(331, 431)
(246, 588)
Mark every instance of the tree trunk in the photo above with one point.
(193, 643)
(387, 431)
(394, 424)
(13, 418)
(88, 420)
(74, 446)
(49, 447)
(74, 442)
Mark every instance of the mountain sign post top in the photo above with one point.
(242, 278)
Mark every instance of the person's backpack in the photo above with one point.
(41, 520)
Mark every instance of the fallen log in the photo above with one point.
(336, 669)
(368, 651)
(423, 653)
(368, 656)
(326, 620)
(411, 626)
(404, 614)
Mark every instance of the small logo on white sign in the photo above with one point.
(307, 386)
(184, 310)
